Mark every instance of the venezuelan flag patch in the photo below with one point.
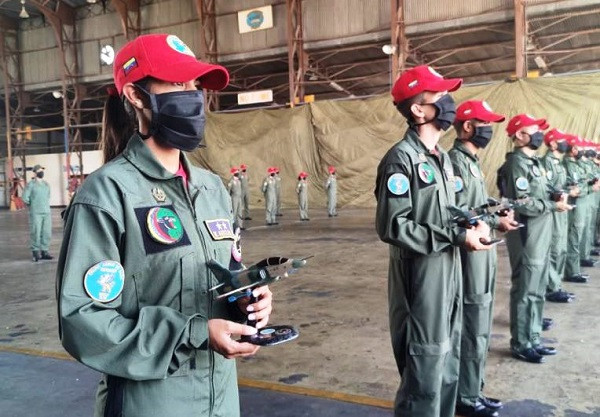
(129, 65)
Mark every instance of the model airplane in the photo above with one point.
(240, 283)
(469, 218)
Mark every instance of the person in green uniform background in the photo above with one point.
(278, 212)
(414, 186)
(520, 177)
(302, 191)
(591, 200)
(575, 176)
(269, 190)
(245, 179)
(235, 192)
(474, 132)
(133, 287)
(556, 143)
(37, 197)
(331, 187)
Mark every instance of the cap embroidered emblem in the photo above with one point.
(178, 45)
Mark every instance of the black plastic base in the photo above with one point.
(272, 335)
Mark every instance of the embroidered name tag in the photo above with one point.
(219, 229)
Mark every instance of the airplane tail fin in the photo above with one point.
(223, 274)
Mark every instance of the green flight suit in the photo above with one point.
(479, 279)
(413, 189)
(278, 194)
(235, 192)
(151, 341)
(592, 201)
(528, 248)
(577, 217)
(557, 178)
(302, 191)
(331, 186)
(245, 194)
(269, 189)
(37, 196)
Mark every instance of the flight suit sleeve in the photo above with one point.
(264, 186)
(462, 196)
(27, 194)
(573, 174)
(535, 206)
(150, 346)
(298, 188)
(395, 227)
(229, 185)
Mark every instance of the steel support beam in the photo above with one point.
(520, 39)
(297, 60)
(208, 43)
(398, 37)
(131, 21)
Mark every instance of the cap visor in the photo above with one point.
(451, 84)
(492, 117)
(212, 77)
(542, 123)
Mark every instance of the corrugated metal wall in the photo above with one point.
(437, 10)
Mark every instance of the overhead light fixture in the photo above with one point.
(107, 55)
(57, 94)
(313, 77)
(336, 86)
(539, 61)
(23, 14)
(91, 1)
(388, 49)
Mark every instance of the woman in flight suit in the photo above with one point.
(133, 287)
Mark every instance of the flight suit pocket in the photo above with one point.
(424, 371)
(188, 293)
(476, 324)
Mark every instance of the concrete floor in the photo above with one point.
(339, 303)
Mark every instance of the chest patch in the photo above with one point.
(159, 195)
(474, 170)
(536, 171)
(522, 183)
(104, 281)
(220, 229)
(549, 175)
(459, 185)
(426, 173)
(398, 184)
(161, 228)
(236, 247)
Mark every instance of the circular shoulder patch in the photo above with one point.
(175, 43)
(535, 170)
(164, 226)
(426, 173)
(458, 184)
(104, 281)
(522, 183)
(398, 184)
(474, 170)
(549, 175)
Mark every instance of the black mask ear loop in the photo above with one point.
(141, 85)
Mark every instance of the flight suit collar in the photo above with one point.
(140, 155)
(460, 146)
(412, 138)
(520, 154)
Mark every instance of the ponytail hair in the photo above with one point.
(118, 125)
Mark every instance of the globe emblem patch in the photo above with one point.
(164, 225)
(255, 19)
(522, 183)
(398, 184)
(104, 281)
(177, 44)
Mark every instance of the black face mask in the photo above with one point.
(579, 155)
(445, 113)
(482, 137)
(535, 140)
(177, 119)
(590, 153)
(562, 147)
(40, 174)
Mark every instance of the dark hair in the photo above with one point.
(404, 106)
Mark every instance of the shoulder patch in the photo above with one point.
(535, 170)
(398, 184)
(104, 281)
(474, 170)
(522, 183)
(549, 175)
(458, 184)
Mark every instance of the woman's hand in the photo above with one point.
(261, 309)
(219, 336)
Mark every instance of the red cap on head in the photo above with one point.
(303, 174)
(234, 170)
(167, 58)
(270, 170)
(422, 78)
(243, 167)
(573, 140)
(554, 135)
(523, 120)
(331, 169)
(475, 109)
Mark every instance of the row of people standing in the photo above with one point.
(239, 190)
(441, 282)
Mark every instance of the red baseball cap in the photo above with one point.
(167, 58)
(243, 166)
(271, 170)
(331, 169)
(523, 120)
(234, 170)
(422, 78)
(573, 140)
(554, 135)
(303, 174)
(480, 110)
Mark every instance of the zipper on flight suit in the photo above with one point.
(191, 203)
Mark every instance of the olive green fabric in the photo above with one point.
(413, 189)
(479, 279)
(151, 342)
(557, 177)
(577, 217)
(353, 135)
(528, 248)
(245, 178)
(37, 197)
(590, 202)
(235, 192)
(331, 187)
(302, 191)
(269, 190)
